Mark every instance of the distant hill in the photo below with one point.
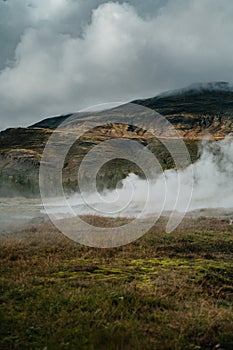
(51, 123)
(199, 108)
(195, 111)
(192, 110)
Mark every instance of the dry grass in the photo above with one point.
(164, 291)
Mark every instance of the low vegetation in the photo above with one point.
(164, 291)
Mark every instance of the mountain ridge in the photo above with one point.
(194, 115)
(199, 88)
(201, 102)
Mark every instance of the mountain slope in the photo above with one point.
(197, 109)
(194, 111)
(202, 108)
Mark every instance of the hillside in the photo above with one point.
(200, 108)
(196, 111)
(193, 110)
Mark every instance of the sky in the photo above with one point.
(59, 56)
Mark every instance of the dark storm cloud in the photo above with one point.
(59, 56)
(17, 16)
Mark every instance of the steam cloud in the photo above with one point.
(213, 188)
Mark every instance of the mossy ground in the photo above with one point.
(164, 291)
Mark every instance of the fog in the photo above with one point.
(134, 197)
(212, 188)
(196, 88)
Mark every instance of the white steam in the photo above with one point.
(213, 188)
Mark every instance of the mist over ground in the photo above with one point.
(212, 193)
(212, 188)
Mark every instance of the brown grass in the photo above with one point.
(164, 291)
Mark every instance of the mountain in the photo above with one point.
(195, 111)
(203, 107)
(51, 123)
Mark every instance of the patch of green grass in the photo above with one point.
(164, 291)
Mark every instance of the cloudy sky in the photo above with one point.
(58, 56)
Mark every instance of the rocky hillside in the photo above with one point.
(195, 112)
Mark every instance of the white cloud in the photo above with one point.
(117, 55)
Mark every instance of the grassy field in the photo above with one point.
(165, 291)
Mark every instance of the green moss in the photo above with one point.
(156, 293)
